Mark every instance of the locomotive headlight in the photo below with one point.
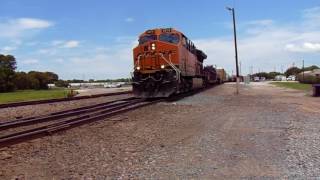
(138, 68)
(153, 46)
(162, 66)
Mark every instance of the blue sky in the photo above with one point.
(94, 39)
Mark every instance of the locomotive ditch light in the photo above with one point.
(138, 68)
(162, 66)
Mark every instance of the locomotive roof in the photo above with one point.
(160, 30)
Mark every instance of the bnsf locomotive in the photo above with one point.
(166, 62)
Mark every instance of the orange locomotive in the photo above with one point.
(166, 62)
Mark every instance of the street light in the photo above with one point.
(235, 46)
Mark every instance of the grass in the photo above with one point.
(293, 85)
(29, 95)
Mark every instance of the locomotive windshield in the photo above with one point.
(171, 38)
(147, 38)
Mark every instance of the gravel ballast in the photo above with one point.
(264, 133)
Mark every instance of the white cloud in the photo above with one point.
(14, 28)
(267, 44)
(306, 47)
(65, 44)
(30, 61)
(47, 51)
(312, 13)
(71, 44)
(99, 63)
(31, 23)
(262, 44)
(9, 48)
(59, 60)
(263, 22)
(129, 19)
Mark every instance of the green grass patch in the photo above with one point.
(29, 95)
(293, 85)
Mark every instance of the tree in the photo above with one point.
(40, 80)
(51, 77)
(310, 68)
(8, 66)
(61, 83)
(272, 75)
(261, 74)
(22, 81)
(292, 71)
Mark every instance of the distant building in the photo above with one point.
(280, 78)
(51, 85)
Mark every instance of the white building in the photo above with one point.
(280, 78)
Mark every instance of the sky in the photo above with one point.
(82, 39)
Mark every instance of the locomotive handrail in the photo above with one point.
(172, 65)
(138, 62)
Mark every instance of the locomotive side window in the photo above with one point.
(147, 38)
(184, 41)
(170, 38)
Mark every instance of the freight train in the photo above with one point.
(166, 62)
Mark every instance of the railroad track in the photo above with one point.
(66, 119)
(25, 103)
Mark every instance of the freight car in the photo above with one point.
(166, 62)
(210, 75)
(222, 75)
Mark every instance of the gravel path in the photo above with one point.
(264, 133)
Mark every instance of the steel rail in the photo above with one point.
(64, 124)
(69, 123)
(65, 114)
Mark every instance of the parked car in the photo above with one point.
(291, 78)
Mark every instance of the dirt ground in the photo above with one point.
(264, 133)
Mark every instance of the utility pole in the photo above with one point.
(235, 46)
(303, 70)
(240, 72)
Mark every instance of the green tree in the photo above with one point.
(61, 83)
(272, 75)
(39, 80)
(8, 66)
(22, 81)
(292, 71)
(310, 68)
(51, 77)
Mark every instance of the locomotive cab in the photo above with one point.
(165, 63)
